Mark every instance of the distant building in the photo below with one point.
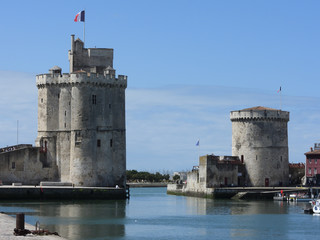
(81, 125)
(212, 172)
(216, 171)
(312, 170)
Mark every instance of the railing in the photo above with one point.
(15, 147)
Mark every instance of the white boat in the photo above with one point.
(279, 197)
(315, 206)
(299, 197)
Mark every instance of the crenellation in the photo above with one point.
(81, 78)
(253, 115)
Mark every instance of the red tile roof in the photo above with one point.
(260, 108)
(314, 152)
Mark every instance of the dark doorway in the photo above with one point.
(266, 182)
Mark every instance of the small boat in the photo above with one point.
(299, 197)
(292, 197)
(279, 197)
(315, 206)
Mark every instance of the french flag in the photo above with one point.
(79, 17)
(279, 90)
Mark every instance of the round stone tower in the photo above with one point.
(260, 139)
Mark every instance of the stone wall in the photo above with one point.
(213, 171)
(26, 165)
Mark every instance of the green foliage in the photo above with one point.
(176, 177)
(134, 175)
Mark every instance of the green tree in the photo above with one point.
(176, 177)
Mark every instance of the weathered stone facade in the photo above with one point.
(260, 139)
(81, 121)
(213, 171)
(25, 164)
(82, 118)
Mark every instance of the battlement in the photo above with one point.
(259, 114)
(81, 78)
(89, 59)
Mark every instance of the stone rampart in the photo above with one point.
(81, 78)
(253, 115)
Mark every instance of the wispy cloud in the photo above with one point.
(164, 124)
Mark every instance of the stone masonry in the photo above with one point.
(81, 118)
(260, 140)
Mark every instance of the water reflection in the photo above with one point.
(152, 214)
(78, 220)
(201, 206)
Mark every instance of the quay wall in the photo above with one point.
(231, 192)
(60, 193)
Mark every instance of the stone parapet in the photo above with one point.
(43, 80)
(254, 115)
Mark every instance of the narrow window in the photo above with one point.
(13, 165)
(242, 158)
(94, 99)
(316, 161)
(281, 158)
(309, 171)
(41, 100)
(256, 157)
(309, 161)
(315, 171)
(110, 142)
(65, 125)
(65, 113)
(98, 143)
(109, 105)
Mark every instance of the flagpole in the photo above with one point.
(84, 33)
(280, 98)
(198, 145)
(17, 132)
(279, 91)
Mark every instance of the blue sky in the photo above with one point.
(189, 63)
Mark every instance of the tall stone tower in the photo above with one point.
(81, 118)
(260, 139)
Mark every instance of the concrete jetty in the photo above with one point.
(8, 192)
(8, 224)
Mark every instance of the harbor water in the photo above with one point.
(152, 214)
